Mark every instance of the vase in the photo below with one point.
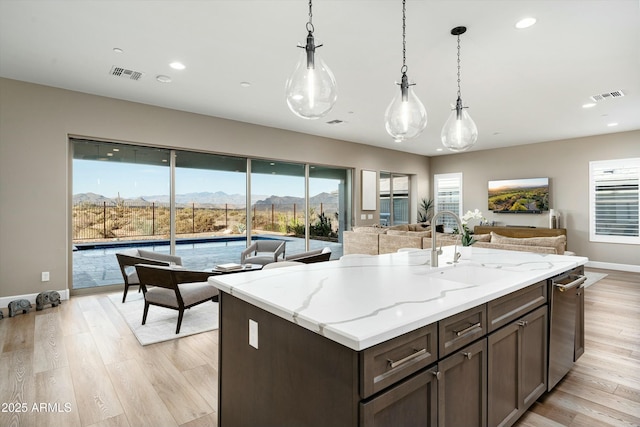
(465, 252)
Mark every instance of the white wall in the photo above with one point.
(566, 163)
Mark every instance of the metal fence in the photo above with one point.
(125, 220)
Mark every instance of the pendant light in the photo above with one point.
(405, 117)
(311, 88)
(459, 132)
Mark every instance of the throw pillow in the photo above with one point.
(421, 226)
(557, 242)
(375, 230)
(401, 227)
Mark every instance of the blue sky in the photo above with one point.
(129, 181)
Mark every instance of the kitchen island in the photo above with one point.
(368, 339)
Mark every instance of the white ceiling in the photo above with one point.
(521, 86)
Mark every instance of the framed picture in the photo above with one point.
(368, 192)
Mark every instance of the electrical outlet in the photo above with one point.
(253, 333)
(45, 276)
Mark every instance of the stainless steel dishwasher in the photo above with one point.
(565, 308)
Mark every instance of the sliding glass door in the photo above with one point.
(197, 206)
(329, 206)
(278, 202)
(120, 193)
(211, 208)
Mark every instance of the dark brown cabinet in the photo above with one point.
(483, 366)
(462, 387)
(517, 367)
(461, 329)
(391, 361)
(413, 402)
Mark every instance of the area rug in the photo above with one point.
(161, 322)
(593, 278)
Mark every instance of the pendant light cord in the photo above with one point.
(404, 38)
(310, 23)
(458, 65)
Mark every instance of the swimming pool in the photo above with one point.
(96, 265)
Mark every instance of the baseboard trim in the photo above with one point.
(614, 266)
(4, 301)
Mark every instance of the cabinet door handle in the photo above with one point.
(580, 280)
(417, 353)
(468, 355)
(437, 375)
(523, 323)
(467, 329)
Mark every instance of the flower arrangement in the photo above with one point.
(467, 239)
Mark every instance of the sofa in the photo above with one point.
(383, 240)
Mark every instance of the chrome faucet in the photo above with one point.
(435, 252)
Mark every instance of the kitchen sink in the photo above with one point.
(471, 274)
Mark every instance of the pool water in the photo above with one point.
(98, 266)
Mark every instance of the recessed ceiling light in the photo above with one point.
(117, 50)
(109, 154)
(245, 84)
(116, 149)
(612, 124)
(439, 149)
(163, 79)
(525, 23)
(589, 105)
(177, 65)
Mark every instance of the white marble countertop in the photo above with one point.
(360, 300)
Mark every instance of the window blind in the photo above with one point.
(615, 201)
(448, 196)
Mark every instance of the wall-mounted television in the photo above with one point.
(526, 195)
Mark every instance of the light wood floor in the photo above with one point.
(80, 365)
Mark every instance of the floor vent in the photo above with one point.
(126, 73)
(608, 95)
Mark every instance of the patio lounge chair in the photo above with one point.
(316, 255)
(127, 260)
(263, 252)
(174, 288)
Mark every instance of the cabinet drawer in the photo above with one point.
(389, 362)
(515, 305)
(461, 329)
(413, 402)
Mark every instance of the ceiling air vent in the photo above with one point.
(608, 95)
(335, 122)
(126, 73)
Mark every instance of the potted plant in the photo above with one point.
(466, 236)
(425, 210)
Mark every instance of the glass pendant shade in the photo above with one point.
(459, 133)
(405, 117)
(311, 89)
